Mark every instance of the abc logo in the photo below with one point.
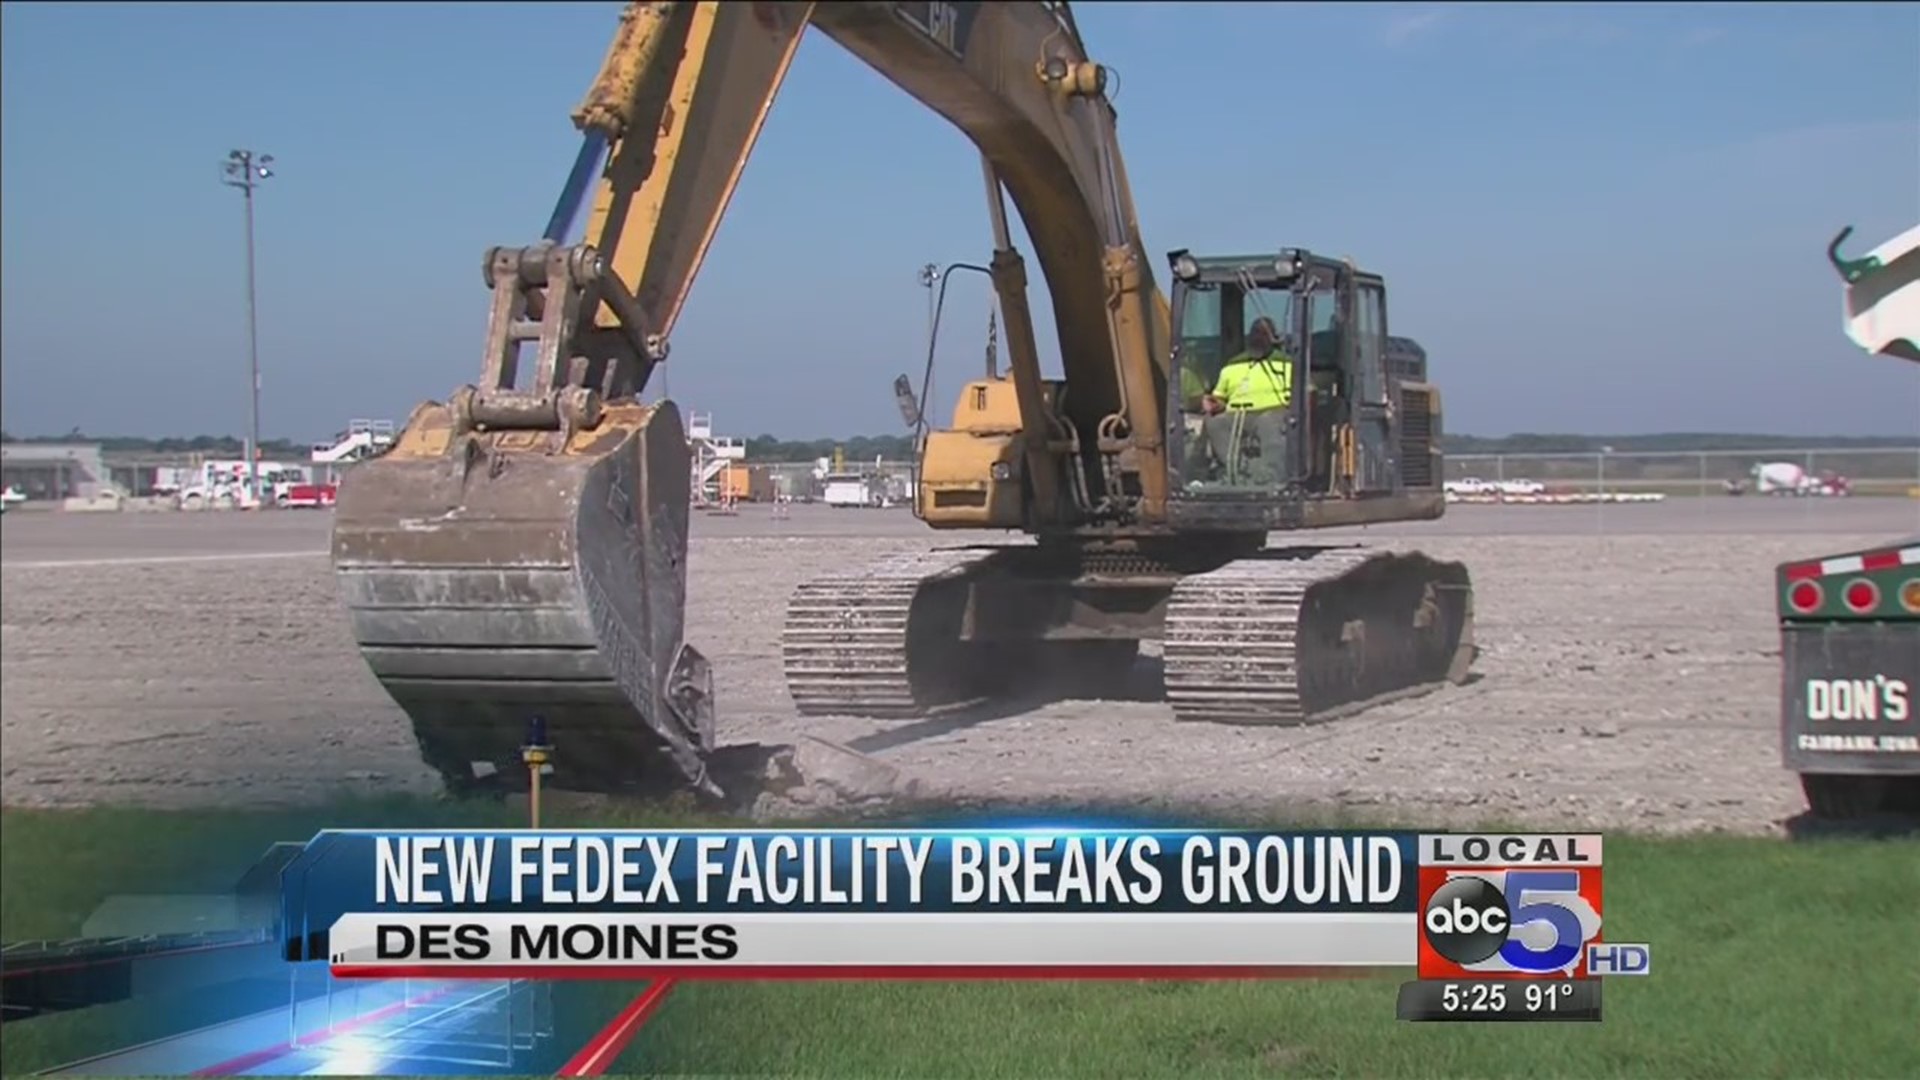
(1467, 920)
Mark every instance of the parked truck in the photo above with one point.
(847, 489)
(1850, 623)
(225, 483)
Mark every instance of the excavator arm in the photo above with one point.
(521, 550)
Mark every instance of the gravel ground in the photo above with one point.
(1627, 677)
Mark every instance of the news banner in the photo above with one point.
(1498, 927)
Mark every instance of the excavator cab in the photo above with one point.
(1320, 419)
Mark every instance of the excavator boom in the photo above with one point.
(1014, 78)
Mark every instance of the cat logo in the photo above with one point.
(939, 21)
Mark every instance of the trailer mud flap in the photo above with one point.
(1848, 697)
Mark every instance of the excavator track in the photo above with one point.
(883, 641)
(1286, 636)
(1290, 636)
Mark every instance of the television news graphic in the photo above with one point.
(1508, 907)
(1618, 958)
(1079, 902)
(1512, 1000)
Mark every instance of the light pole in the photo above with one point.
(245, 171)
(929, 277)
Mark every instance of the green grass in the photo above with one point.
(1772, 959)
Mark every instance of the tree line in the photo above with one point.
(207, 445)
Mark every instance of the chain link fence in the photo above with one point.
(796, 480)
(1875, 471)
(1872, 471)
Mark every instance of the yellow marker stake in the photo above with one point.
(536, 753)
(535, 757)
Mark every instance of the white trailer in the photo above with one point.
(847, 489)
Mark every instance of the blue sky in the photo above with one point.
(1596, 218)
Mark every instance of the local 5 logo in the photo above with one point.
(1507, 923)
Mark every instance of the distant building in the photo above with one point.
(54, 470)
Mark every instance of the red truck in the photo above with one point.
(305, 496)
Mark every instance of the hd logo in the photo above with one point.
(1506, 923)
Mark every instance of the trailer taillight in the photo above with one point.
(1805, 596)
(1910, 595)
(1862, 595)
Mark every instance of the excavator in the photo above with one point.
(521, 550)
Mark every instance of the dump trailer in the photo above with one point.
(1850, 623)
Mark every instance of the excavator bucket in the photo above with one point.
(495, 576)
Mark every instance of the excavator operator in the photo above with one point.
(1252, 395)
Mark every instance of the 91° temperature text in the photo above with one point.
(1528, 1000)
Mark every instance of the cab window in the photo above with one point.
(1216, 317)
(1233, 448)
(1371, 347)
(1200, 343)
(1273, 305)
(1323, 322)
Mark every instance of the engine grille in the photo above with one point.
(1416, 438)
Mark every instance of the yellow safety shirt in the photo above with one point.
(1249, 382)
